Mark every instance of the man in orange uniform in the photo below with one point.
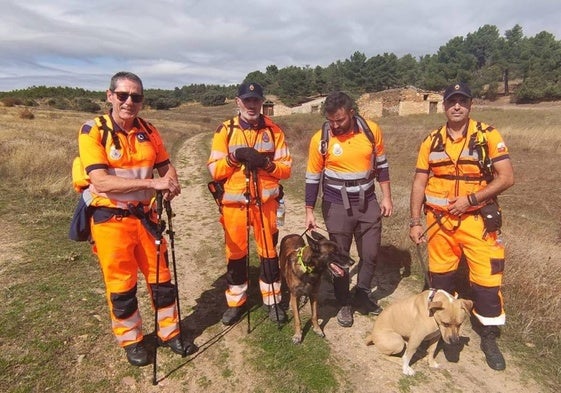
(349, 162)
(249, 156)
(119, 152)
(454, 182)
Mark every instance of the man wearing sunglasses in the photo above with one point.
(120, 152)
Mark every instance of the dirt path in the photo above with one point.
(219, 366)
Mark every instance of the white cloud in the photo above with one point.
(173, 43)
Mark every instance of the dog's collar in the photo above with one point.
(434, 291)
(300, 261)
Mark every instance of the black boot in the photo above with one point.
(177, 345)
(137, 355)
(232, 315)
(345, 316)
(493, 354)
(364, 305)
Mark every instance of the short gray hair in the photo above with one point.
(125, 75)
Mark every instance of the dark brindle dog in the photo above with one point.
(302, 266)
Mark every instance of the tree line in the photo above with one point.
(488, 61)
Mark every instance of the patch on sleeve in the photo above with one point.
(501, 147)
(86, 128)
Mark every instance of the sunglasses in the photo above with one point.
(122, 97)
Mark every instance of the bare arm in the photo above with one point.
(415, 206)
(386, 206)
(104, 182)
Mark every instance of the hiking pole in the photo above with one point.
(260, 206)
(171, 235)
(247, 201)
(159, 210)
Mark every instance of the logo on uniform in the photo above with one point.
(501, 147)
(337, 150)
(251, 87)
(266, 138)
(457, 87)
(115, 154)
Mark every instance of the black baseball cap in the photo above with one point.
(250, 90)
(457, 88)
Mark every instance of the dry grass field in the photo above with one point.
(54, 329)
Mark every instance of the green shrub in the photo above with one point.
(59, 103)
(213, 99)
(87, 105)
(162, 103)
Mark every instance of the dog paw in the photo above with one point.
(297, 338)
(319, 332)
(408, 371)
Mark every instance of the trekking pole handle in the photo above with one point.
(159, 203)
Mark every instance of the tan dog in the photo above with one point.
(426, 316)
(302, 266)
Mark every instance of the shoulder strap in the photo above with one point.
(102, 122)
(230, 130)
(437, 143)
(478, 142)
(324, 138)
(367, 131)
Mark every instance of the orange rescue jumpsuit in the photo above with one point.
(122, 243)
(268, 138)
(454, 171)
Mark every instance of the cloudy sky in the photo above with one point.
(171, 43)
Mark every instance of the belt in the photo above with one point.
(439, 212)
(114, 210)
(348, 183)
(352, 183)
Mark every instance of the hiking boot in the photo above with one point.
(345, 316)
(274, 311)
(137, 354)
(364, 305)
(179, 347)
(232, 315)
(493, 354)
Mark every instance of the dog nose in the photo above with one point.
(454, 339)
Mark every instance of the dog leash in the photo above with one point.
(306, 231)
(424, 268)
(316, 227)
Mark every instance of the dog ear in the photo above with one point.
(317, 236)
(434, 307)
(467, 305)
(312, 243)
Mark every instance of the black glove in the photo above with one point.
(251, 157)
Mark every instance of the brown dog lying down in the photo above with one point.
(301, 267)
(428, 315)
